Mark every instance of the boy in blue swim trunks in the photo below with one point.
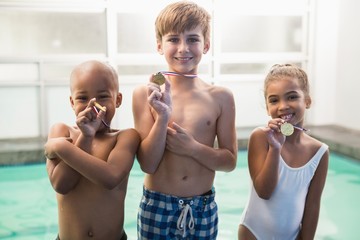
(178, 123)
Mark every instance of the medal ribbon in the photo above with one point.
(301, 129)
(102, 120)
(178, 74)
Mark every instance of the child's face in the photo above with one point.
(183, 51)
(87, 86)
(285, 99)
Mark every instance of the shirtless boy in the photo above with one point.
(89, 164)
(178, 123)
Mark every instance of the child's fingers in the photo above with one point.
(152, 87)
(178, 128)
(91, 103)
(275, 124)
(154, 96)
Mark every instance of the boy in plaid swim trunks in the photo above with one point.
(178, 123)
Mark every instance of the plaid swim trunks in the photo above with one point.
(164, 216)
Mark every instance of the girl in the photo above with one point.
(288, 167)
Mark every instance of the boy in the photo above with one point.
(178, 130)
(89, 164)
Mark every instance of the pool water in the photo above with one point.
(28, 206)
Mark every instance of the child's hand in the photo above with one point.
(160, 100)
(88, 120)
(275, 137)
(178, 140)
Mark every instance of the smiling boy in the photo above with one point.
(178, 124)
(88, 164)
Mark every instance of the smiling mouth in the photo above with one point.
(286, 117)
(183, 58)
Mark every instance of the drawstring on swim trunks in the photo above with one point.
(181, 223)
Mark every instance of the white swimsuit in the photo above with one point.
(280, 216)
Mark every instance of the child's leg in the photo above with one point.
(245, 234)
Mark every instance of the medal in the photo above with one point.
(287, 129)
(158, 78)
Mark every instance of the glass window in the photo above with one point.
(136, 33)
(31, 33)
(58, 107)
(52, 72)
(248, 68)
(13, 72)
(139, 70)
(19, 112)
(260, 33)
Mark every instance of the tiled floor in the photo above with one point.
(339, 139)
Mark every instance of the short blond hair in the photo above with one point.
(181, 16)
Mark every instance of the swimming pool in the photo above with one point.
(28, 206)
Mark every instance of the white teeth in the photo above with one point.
(183, 59)
(286, 117)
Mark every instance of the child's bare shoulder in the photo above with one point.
(62, 129)
(312, 142)
(258, 133)
(129, 133)
(221, 93)
(141, 89)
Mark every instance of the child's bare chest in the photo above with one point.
(195, 113)
(102, 147)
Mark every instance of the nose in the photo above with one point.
(183, 47)
(283, 105)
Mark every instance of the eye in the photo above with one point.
(293, 97)
(173, 40)
(103, 96)
(193, 40)
(81, 98)
(272, 100)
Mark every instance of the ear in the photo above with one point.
(206, 47)
(72, 103)
(308, 102)
(159, 47)
(118, 100)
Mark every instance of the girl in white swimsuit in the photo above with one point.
(288, 167)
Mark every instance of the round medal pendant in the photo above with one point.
(158, 78)
(287, 129)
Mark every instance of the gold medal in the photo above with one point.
(287, 129)
(158, 78)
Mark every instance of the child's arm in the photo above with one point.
(62, 177)
(152, 131)
(263, 158)
(222, 158)
(108, 173)
(313, 199)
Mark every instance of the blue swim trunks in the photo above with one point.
(164, 216)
